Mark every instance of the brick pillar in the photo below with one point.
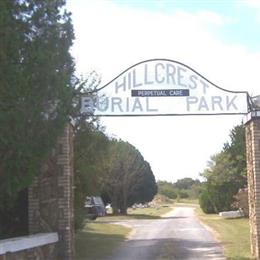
(65, 193)
(51, 196)
(253, 177)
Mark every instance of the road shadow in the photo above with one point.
(143, 216)
(175, 249)
(173, 217)
(120, 218)
(109, 218)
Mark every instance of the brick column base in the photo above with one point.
(51, 196)
(253, 177)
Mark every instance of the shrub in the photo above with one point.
(205, 202)
(182, 194)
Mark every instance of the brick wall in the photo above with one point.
(51, 196)
(253, 176)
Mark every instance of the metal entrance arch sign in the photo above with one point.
(160, 87)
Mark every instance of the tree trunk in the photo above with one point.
(115, 206)
(115, 210)
(123, 211)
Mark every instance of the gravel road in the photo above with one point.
(178, 235)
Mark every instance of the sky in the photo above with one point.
(218, 39)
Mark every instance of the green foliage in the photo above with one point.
(226, 173)
(127, 177)
(182, 194)
(185, 183)
(195, 190)
(181, 189)
(90, 146)
(14, 217)
(113, 168)
(36, 90)
(205, 202)
(146, 187)
(166, 188)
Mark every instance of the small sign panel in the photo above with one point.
(163, 87)
(161, 93)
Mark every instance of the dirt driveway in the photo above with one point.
(178, 235)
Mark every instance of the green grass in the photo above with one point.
(150, 212)
(98, 240)
(233, 233)
(188, 201)
(139, 213)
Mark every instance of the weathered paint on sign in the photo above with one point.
(163, 87)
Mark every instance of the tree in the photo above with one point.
(182, 188)
(185, 183)
(195, 190)
(226, 173)
(90, 146)
(127, 177)
(145, 188)
(187, 188)
(36, 88)
(167, 189)
(236, 149)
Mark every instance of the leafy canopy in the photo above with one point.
(226, 174)
(36, 86)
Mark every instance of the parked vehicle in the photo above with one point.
(95, 207)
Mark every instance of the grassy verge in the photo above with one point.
(150, 212)
(98, 240)
(140, 213)
(233, 233)
(188, 201)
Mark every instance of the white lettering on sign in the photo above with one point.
(169, 74)
(158, 87)
(214, 103)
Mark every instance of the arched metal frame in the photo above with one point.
(250, 104)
